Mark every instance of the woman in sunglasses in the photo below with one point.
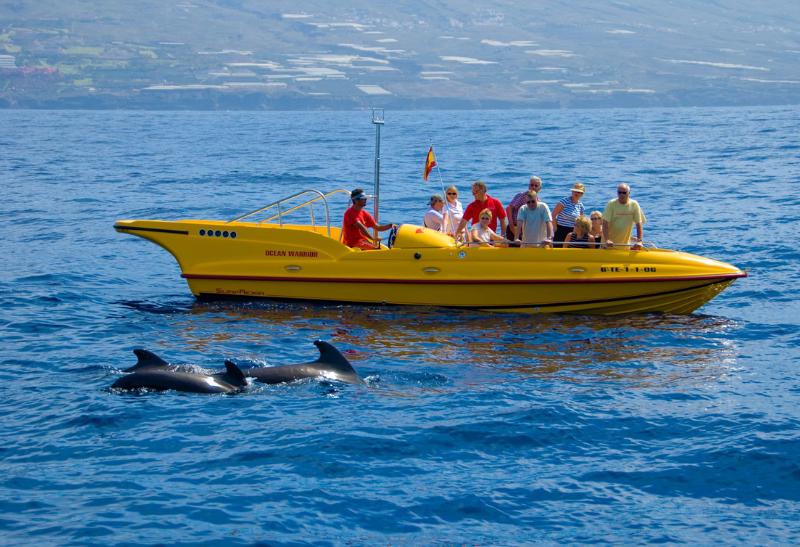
(579, 237)
(482, 234)
(596, 218)
(453, 212)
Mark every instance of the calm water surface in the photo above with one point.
(472, 428)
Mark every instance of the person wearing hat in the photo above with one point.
(434, 219)
(619, 218)
(566, 211)
(357, 222)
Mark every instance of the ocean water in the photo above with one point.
(472, 428)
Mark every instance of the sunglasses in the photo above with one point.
(531, 201)
(451, 194)
(596, 218)
(621, 192)
(486, 218)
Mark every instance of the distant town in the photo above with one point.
(242, 55)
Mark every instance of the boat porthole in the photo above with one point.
(217, 233)
(202, 232)
(233, 235)
(417, 256)
(210, 233)
(462, 254)
(224, 234)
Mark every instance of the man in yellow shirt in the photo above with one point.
(619, 218)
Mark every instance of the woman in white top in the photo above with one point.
(482, 234)
(434, 219)
(454, 211)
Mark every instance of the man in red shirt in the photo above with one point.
(483, 201)
(357, 221)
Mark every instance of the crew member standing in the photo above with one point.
(483, 201)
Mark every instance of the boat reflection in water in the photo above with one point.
(641, 350)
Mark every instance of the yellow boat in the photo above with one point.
(274, 259)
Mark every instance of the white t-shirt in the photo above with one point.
(434, 220)
(484, 236)
(453, 215)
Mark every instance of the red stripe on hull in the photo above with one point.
(720, 277)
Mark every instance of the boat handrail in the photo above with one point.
(317, 196)
(643, 246)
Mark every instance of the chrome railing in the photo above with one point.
(643, 246)
(280, 212)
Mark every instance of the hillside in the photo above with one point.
(309, 54)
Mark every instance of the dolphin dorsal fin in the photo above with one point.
(234, 375)
(146, 359)
(333, 357)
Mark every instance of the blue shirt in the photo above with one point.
(535, 221)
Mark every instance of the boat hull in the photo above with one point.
(303, 263)
(600, 298)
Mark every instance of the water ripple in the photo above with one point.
(471, 427)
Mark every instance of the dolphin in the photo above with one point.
(331, 365)
(146, 359)
(152, 372)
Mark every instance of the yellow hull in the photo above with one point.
(424, 268)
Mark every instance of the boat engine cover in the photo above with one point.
(411, 236)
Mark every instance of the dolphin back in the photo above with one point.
(330, 364)
(162, 379)
(333, 359)
(234, 375)
(146, 359)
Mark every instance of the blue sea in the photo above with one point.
(472, 428)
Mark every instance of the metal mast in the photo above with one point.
(377, 120)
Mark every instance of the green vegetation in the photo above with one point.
(68, 70)
(148, 52)
(83, 50)
(106, 64)
(449, 53)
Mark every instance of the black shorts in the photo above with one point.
(561, 234)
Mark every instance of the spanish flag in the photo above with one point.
(430, 163)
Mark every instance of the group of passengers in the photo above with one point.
(526, 221)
